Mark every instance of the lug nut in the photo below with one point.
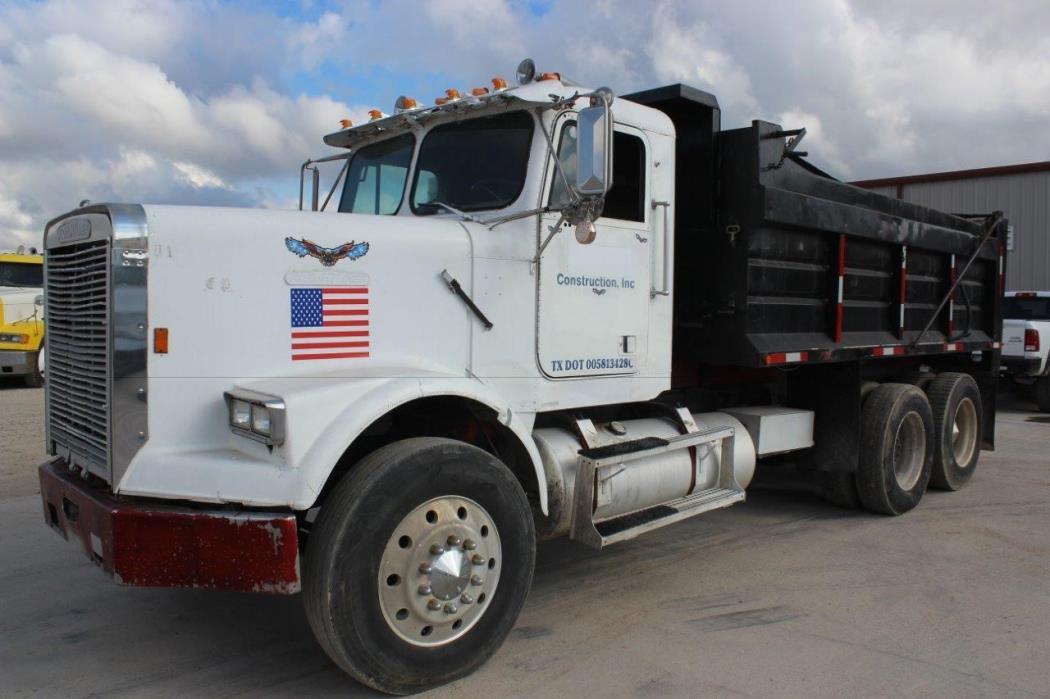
(451, 608)
(454, 541)
(476, 580)
(465, 598)
(469, 545)
(424, 589)
(477, 559)
(425, 568)
(437, 549)
(433, 605)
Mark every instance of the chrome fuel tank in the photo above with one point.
(643, 483)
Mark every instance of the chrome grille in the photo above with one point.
(78, 370)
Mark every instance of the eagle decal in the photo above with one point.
(327, 256)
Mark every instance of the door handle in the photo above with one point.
(666, 290)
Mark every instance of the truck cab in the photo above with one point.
(22, 316)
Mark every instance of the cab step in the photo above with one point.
(629, 526)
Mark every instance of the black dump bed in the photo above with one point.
(776, 261)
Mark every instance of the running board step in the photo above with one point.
(629, 526)
(598, 459)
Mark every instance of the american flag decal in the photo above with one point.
(330, 323)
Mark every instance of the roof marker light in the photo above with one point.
(550, 76)
(375, 114)
(441, 100)
(405, 103)
(499, 83)
(346, 123)
(479, 91)
(452, 93)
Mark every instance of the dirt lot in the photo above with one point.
(781, 596)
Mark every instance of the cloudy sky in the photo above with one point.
(211, 102)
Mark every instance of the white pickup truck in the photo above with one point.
(1026, 341)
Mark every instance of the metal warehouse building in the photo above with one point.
(1022, 192)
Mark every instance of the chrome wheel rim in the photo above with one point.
(964, 432)
(439, 571)
(909, 451)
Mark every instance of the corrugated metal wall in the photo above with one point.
(1025, 198)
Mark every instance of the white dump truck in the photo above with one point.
(520, 313)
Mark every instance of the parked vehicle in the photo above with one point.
(22, 316)
(1026, 342)
(533, 312)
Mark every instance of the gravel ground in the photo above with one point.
(22, 437)
(783, 595)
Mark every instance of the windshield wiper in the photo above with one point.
(438, 204)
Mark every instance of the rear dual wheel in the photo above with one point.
(419, 564)
(958, 420)
(897, 441)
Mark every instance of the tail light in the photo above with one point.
(1031, 340)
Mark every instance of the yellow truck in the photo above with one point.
(22, 316)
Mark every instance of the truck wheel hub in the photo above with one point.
(439, 570)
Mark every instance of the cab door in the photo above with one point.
(594, 299)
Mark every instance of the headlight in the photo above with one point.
(17, 339)
(255, 415)
(240, 414)
(260, 420)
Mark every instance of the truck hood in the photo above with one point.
(248, 296)
(18, 303)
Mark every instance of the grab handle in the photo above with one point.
(666, 290)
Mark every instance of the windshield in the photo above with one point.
(21, 274)
(1026, 308)
(375, 180)
(473, 165)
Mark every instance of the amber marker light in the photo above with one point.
(160, 340)
(346, 123)
(405, 103)
(499, 84)
(550, 76)
(375, 114)
(452, 93)
(441, 100)
(479, 91)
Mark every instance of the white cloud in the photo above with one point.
(153, 100)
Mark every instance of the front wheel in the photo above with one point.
(419, 564)
(35, 378)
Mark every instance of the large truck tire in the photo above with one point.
(957, 419)
(35, 378)
(1042, 394)
(896, 449)
(418, 564)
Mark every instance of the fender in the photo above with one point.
(314, 447)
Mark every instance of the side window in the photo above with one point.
(376, 177)
(626, 199)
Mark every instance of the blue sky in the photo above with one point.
(202, 101)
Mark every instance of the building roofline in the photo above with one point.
(1020, 169)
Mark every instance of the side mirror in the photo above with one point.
(594, 146)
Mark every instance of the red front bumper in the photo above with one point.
(159, 545)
